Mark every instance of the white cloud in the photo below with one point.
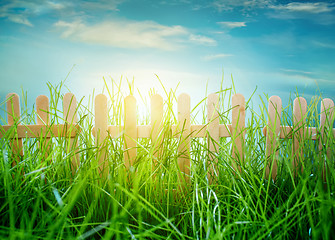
(20, 11)
(228, 5)
(20, 19)
(101, 4)
(296, 71)
(125, 34)
(318, 7)
(217, 56)
(131, 34)
(203, 40)
(232, 24)
(324, 45)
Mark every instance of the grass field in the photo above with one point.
(40, 198)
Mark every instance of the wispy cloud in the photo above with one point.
(318, 7)
(22, 12)
(19, 11)
(228, 5)
(294, 71)
(124, 34)
(131, 34)
(203, 40)
(109, 5)
(232, 24)
(319, 12)
(324, 45)
(217, 56)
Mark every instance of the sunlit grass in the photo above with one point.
(49, 202)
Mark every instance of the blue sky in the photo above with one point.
(278, 46)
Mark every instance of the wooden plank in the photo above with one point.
(287, 132)
(326, 123)
(36, 131)
(13, 117)
(213, 137)
(70, 117)
(299, 121)
(156, 127)
(101, 134)
(130, 131)
(42, 118)
(238, 125)
(184, 130)
(273, 128)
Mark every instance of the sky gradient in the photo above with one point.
(277, 46)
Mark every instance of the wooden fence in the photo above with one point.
(183, 130)
(43, 128)
(298, 132)
(213, 130)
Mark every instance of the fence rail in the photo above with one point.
(183, 130)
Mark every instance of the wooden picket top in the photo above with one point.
(156, 126)
(101, 118)
(299, 121)
(130, 131)
(238, 129)
(213, 138)
(184, 134)
(326, 122)
(273, 130)
(298, 132)
(71, 119)
(42, 118)
(17, 131)
(13, 116)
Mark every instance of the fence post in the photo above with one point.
(326, 123)
(101, 132)
(184, 130)
(238, 129)
(299, 120)
(42, 118)
(13, 117)
(70, 116)
(156, 127)
(213, 136)
(272, 134)
(130, 131)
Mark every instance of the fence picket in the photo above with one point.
(326, 123)
(101, 133)
(70, 116)
(156, 127)
(299, 121)
(238, 129)
(42, 118)
(13, 117)
(273, 132)
(130, 131)
(184, 130)
(213, 137)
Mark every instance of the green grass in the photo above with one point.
(49, 203)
